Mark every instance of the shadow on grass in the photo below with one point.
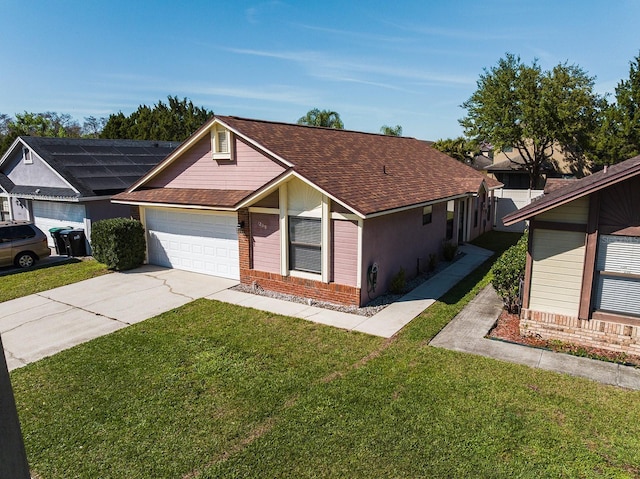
(11, 270)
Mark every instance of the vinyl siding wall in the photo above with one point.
(345, 252)
(556, 280)
(196, 168)
(576, 212)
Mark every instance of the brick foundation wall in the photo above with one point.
(307, 288)
(598, 333)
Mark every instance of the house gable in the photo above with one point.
(197, 168)
(35, 173)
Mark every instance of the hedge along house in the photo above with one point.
(60, 182)
(305, 210)
(582, 281)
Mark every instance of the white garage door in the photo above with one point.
(202, 242)
(50, 214)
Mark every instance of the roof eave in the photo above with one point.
(534, 209)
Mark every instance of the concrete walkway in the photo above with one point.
(466, 333)
(388, 321)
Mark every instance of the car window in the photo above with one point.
(16, 232)
(22, 232)
(5, 234)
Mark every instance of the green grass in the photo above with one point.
(23, 283)
(211, 390)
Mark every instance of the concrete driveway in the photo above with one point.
(43, 324)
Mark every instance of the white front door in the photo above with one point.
(203, 242)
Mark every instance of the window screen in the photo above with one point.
(305, 238)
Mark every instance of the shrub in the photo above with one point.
(398, 282)
(508, 272)
(449, 250)
(433, 262)
(118, 243)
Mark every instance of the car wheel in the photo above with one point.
(25, 260)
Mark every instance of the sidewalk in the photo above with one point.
(466, 333)
(388, 321)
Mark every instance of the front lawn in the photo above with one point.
(212, 390)
(23, 283)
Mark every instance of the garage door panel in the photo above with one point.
(49, 214)
(201, 242)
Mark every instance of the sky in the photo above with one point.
(408, 63)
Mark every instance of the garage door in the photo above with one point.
(202, 242)
(49, 214)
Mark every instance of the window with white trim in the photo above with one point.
(221, 143)
(26, 156)
(618, 275)
(305, 244)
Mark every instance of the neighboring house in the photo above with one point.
(306, 210)
(508, 167)
(58, 182)
(582, 281)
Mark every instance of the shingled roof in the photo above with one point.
(95, 167)
(370, 173)
(577, 189)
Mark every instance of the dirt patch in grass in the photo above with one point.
(507, 328)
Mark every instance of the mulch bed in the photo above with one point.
(507, 328)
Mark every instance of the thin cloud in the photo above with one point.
(322, 66)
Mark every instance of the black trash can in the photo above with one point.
(74, 241)
(57, 240)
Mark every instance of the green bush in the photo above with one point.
(398, 282)
(118, 243)
(508, 271)
(449, 250)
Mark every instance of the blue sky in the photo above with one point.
(375, 62)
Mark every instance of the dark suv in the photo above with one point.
(21, 244)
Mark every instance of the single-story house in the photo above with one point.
(59, 182)
(321, 213)
(582, 281)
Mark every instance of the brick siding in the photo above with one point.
(306, 288)
(597, 333)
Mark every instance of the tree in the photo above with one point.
(520, 106)
(391, 130)
(459, 148)
(326, 118)
(174, 121)
(36, 124)
(618, 137)
(92, 126)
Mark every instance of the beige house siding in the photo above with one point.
(556, 279)
(575, 212)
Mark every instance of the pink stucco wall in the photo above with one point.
(344, 255)
(197, 169)
(265, 238)
(484, 205)
(400, 240)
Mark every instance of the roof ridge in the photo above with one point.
(343, 130)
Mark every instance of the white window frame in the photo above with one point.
(27, 157)
(219, 152)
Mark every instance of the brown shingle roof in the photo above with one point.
(186, 196)
(370, 173)
(576, 189)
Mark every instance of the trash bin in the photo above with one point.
(57, 240)
(74, 242)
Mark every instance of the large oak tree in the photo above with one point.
(534, 111)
